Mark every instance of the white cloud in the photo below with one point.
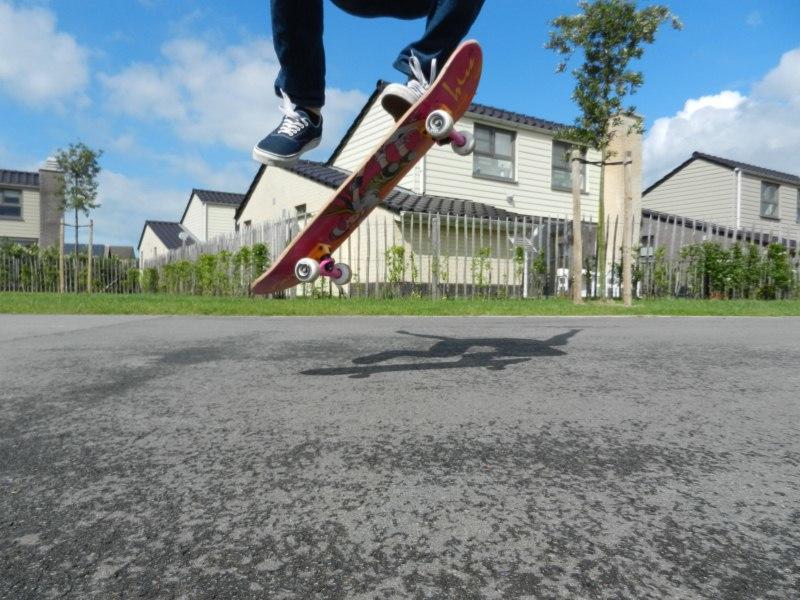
(126, 203)
(39, 65)
(762, 128)
(211, 95)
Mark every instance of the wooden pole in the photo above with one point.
(627, 233)
(89, 258)
(61, 281)
(577, 239)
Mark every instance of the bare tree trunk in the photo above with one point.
(61, 282)
(89, 259)
(601, 231)
(627, 233)
(75, 253)
(577, 238)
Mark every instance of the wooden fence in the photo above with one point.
(40, 273)
(438, 255)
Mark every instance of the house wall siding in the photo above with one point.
(448, 174)
(701, 190)
(151, 247)
(279, 192)
(786, 225)
(444, 173)
(195, 219)
(220, 220)
(30, 225)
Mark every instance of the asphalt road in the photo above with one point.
(399, 458)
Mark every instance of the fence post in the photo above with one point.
(89, 258)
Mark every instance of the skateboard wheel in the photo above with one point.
(306, 270)
(467, 147)
(439, 124)
(344, 278)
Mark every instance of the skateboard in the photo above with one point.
(430, 120)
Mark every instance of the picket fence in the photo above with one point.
(439, 255)
(40, 273)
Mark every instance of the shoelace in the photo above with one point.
(292, 120)
(419, 84)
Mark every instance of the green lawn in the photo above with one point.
(154, 304)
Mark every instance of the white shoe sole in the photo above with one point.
(268, 158)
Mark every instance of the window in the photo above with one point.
(769, 200)
(10, 204)
(562, 170)
(494, 153)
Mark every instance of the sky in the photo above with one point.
(176, 92)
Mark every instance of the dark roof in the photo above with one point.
(729, 164)
(121, 251)
(474, 108)
(515, 117)
(401, 200)
(167, 232)
(211, 197)
(20, 178)
(97, 249)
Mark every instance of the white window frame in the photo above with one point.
(776, 216)
(493, 154)
(18, 194)
(565, 147)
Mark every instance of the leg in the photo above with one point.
(449, 21)
(297, 35)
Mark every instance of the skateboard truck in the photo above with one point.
(308, 270)
(441, 127)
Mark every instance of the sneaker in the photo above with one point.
(299, 131)
(398, 98)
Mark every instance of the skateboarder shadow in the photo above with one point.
(499, 353)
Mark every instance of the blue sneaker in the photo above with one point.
(299, 131)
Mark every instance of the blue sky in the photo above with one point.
(176, 92)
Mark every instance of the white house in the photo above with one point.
(729, 193)
(159, 237)
(209, 214)
(519, 171)
(29, 205)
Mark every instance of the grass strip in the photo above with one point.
(162, 304)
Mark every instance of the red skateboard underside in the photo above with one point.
(355, 199)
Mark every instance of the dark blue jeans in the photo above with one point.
(297, 34)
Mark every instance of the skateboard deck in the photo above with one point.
(395, 156)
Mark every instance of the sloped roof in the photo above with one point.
(728, 163)
(401, 200)
(20, 178)
(212, 197)
(168, 232)
(475, 110)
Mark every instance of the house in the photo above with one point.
(731, 194)
(209, 214)
(159, 237)
(519, 171)
(29, 205)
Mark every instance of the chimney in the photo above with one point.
(49, 201)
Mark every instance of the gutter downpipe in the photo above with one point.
(738, 173)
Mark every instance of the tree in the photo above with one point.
(610, 34)
(79, 167)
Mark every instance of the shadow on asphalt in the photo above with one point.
(505, 352)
